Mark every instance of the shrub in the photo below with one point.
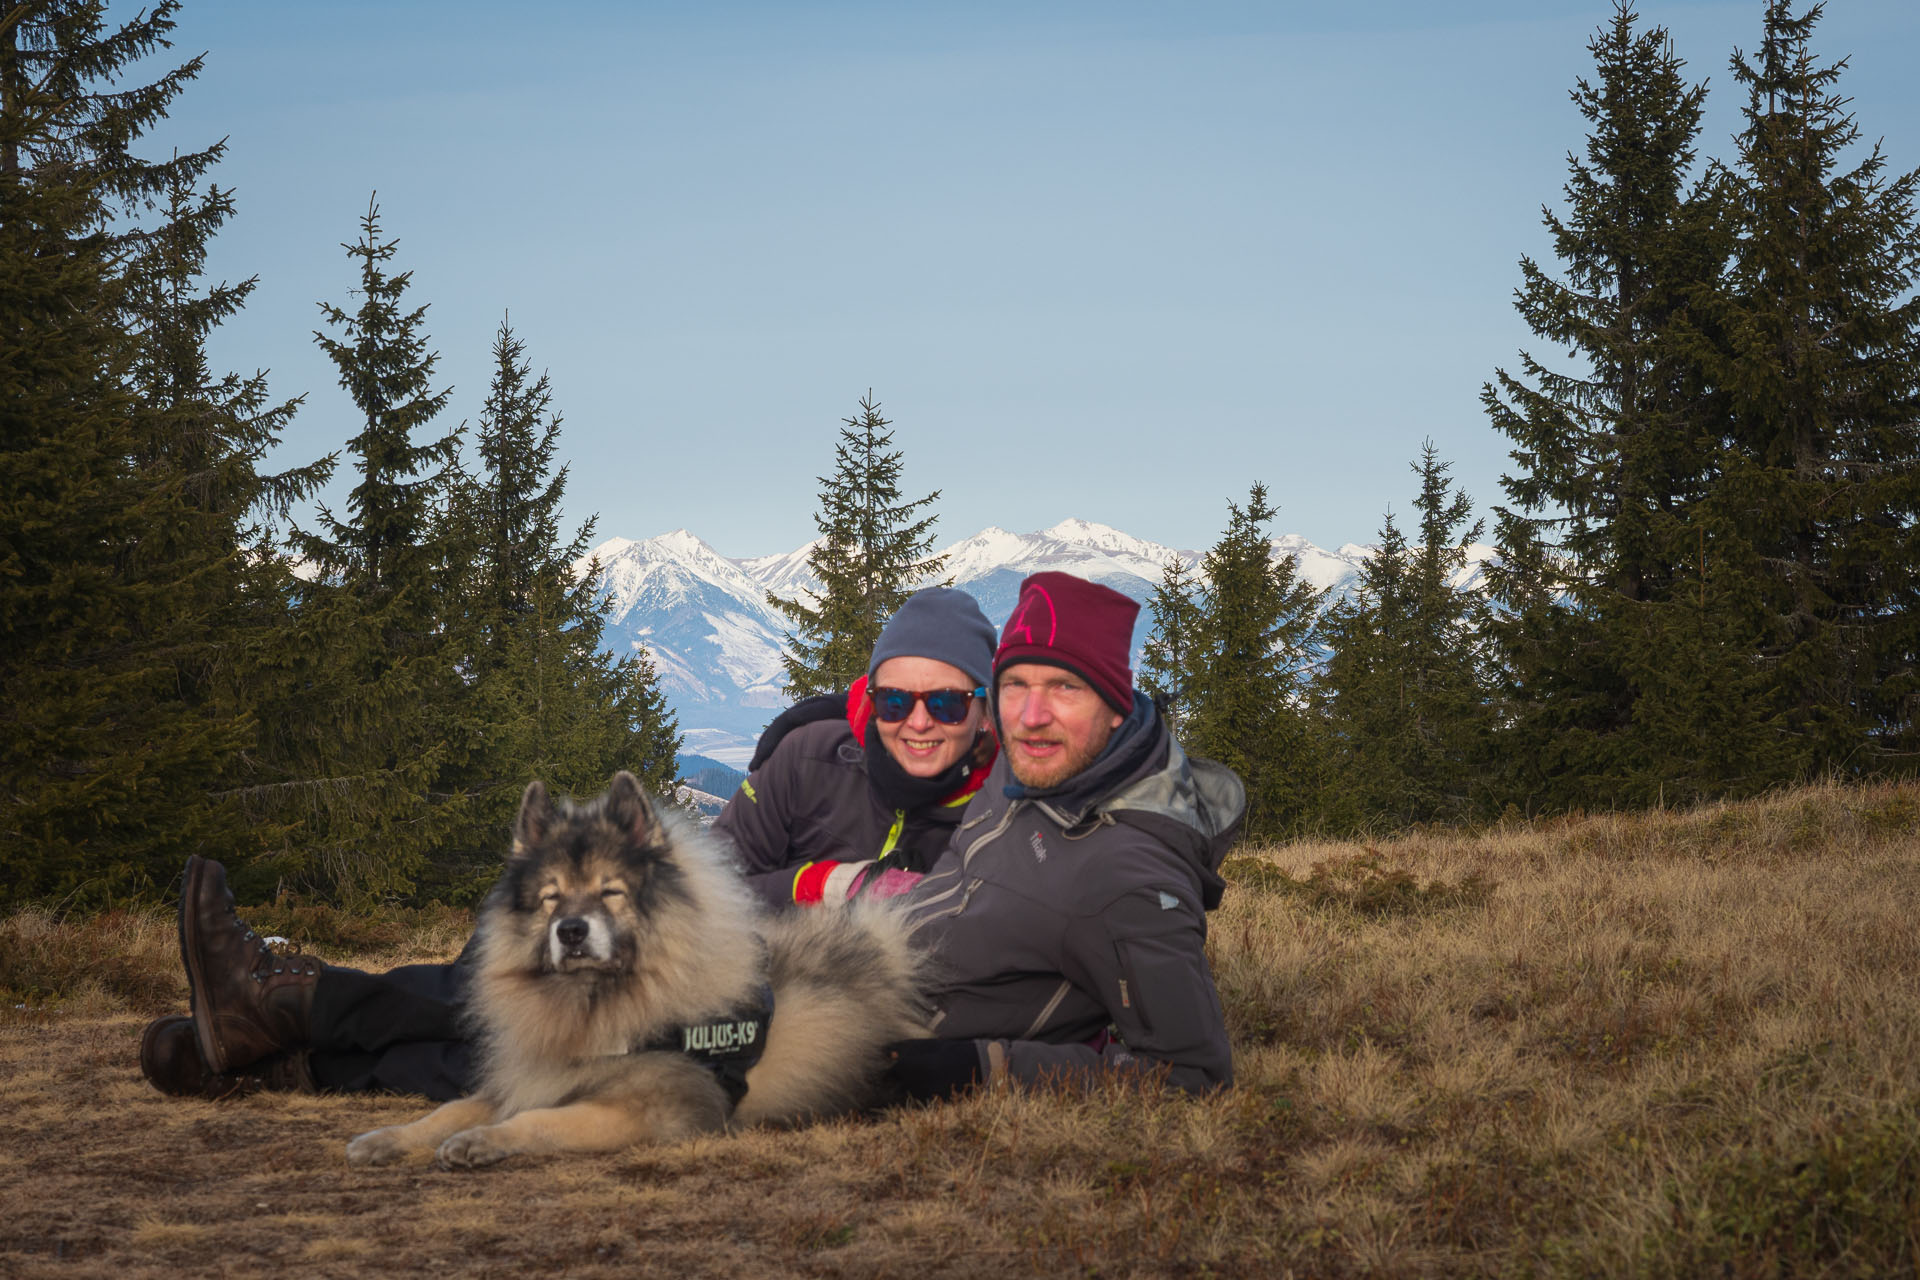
(1843, 1202)
(114, 960)
(1361, 883)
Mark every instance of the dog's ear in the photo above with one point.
(536, 817)
(628, 808)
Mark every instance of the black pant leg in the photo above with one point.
(353, 1010)
(393, 1032)
(438, 1069)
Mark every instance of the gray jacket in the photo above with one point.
(1056, 916)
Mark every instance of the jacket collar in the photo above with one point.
(1145, 780)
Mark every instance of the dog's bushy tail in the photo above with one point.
(847, 982)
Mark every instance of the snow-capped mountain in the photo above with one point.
(705, 622)
(785, 576)
(716, 642)
(990, 564)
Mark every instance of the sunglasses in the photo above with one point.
(948, 706)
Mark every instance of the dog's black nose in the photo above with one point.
(572, 931)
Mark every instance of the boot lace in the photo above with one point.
(277, 957)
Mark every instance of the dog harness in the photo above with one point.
(728, 1045)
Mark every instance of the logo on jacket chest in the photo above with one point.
(1038, 846)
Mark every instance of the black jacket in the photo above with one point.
(812, 800)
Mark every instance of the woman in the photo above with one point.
(860, 792)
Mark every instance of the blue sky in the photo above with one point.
(1111, 260)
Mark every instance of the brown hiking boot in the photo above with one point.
(249, 1002)
(170, 1060)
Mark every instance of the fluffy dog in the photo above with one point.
(626, 988)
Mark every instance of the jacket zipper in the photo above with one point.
(893, 834)
(967, 886)
(1059, 994)
(966, 895)
(999, 829)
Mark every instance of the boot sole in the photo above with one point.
(148, 1039)
(210, 1050)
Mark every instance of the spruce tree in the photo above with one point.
(546, 701)
(207, 435)
(871, 555)
(210, 432)
(126, 474)
(1820, 503)
(1453, 712)
(374, 724)
(383, 550)
(1245, 705)
(1404, 689)
(1167, 667)
(1361, 690)
(1708, 714)
(1610, 457)
(514, 501)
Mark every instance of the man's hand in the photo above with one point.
(934, 1070)
(887, 883)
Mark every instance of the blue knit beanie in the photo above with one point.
(943, 624)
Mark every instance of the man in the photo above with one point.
(1069, 914)
(858, 804)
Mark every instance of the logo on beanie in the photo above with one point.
(1073, 623)
(1022, 622)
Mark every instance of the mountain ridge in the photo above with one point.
(716, 642)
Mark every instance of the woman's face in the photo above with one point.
(920, 744)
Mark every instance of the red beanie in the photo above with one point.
(1069, 622)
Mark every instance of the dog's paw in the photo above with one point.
(377, 1147)
(472, 1149)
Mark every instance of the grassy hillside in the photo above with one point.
(1667, 1044)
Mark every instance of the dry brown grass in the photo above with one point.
(1664, 1044)
(129, 961)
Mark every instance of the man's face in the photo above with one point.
(1054, 724)
(920, 744)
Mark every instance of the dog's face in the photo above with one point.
(585, 879)
(587, 914)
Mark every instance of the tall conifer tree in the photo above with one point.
(375, 723)
(1167, 667)
(125, 473)
(543, 699)
(1451, 669)
(1361, 691)
(205, 436)
(1820, 505)
(1404, 688)
(873, 552)
(1609, 457)
(383, 550)
(209, 431)
(1245, 705)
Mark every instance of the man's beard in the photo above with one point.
(1042, 775)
